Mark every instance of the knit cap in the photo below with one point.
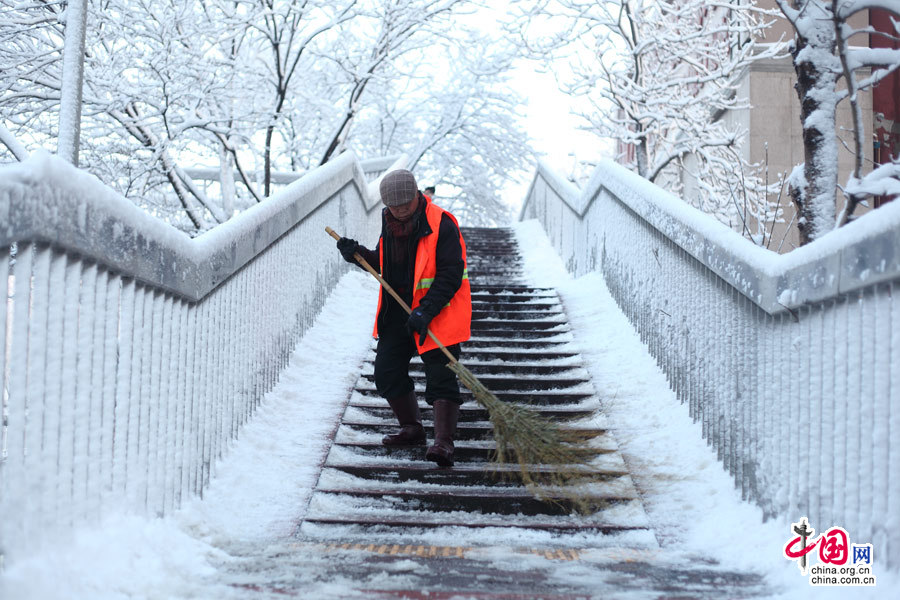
(398, 187)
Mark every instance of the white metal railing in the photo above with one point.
(134, 354)
(792, 363)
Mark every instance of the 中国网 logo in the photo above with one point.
(840, 562)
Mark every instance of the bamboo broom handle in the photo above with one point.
(391, 291)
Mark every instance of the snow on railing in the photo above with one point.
(792, 362)
(372, 168)
(133, 354)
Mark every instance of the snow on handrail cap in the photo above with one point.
(861, 254)
(46, 200)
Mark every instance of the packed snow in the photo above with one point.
(262, 488)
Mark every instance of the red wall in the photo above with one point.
(885, 97)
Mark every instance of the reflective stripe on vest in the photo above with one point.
(454, 323)
(426, 283)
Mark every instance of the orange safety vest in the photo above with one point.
(454, 323)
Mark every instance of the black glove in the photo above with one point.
(418, 323)
(347, 248)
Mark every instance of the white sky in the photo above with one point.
(549, 121)
(547, 116)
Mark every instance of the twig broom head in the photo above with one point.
(531, 441)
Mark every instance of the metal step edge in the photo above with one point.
(462, 446)
(476, 469)
(520, 336)
(515, 396)
(601, 526)
(526, 370)
(564, 411)
(450, 492)
(520, 291)
(517, 383)
(611, 460)
(495, 359)
(535, 395)
(469, 425)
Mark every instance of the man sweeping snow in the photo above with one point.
(422, 255)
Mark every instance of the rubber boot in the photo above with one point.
(411, 433)
(446, 414)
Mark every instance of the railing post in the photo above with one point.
(15, 473)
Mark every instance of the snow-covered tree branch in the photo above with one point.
(823, 58)
(658, 76)
(251, 88)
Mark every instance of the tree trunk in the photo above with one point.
(640, 156)
(226, 180)
(816, 84)
(267, 161)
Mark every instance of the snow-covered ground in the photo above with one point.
(262, 487)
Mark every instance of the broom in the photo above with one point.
(522, 435)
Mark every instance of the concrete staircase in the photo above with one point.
(386, 524)
(521, 349)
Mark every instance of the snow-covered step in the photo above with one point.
(374, 520)
(472, 411)
(510, 292)
(537, 400)
(509, 296)
(499, 384)
(466, 451)
(555, 322)
(613, 488)
(559, 343)
(489, 485)
(513, 359)
(469, 430)
(343, 455)
(530, 316)
(544, 308)
(518, 339)
(403, 472)
(519, 369)
(475, 501)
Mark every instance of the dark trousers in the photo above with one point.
(394, 351)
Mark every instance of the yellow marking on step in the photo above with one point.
(557, 554)
(569, 554)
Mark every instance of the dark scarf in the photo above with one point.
(400, 232)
